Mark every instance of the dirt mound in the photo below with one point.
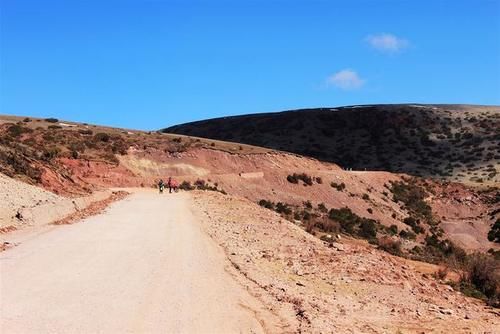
(25, 206)
(452, 142)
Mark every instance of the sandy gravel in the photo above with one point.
(144, 266)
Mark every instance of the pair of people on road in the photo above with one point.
(169, 184)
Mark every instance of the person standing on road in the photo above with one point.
(169, 185)
(161, 185)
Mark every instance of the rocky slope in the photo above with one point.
(341, 287)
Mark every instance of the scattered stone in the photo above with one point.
(339, 247)
(446, 311)
(19, 216)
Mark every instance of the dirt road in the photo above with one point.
(144, 266)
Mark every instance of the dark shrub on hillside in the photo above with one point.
(266, 204)
(322, 207)
(326, 225)
(481, 270)
(345, 217)
(494, 233)
(367, 229)
(337, 186)
(407, 235)
(294, 178)
(439, 250)
(51, 120)
(283, 208)
(50, 153)
(393, 230)
(13, 163)
(389, 245)
(414, 224)
(102, 137)
(185, 185)
(15, 130)
(353, 224)
(413, 196)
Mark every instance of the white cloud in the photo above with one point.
(346, 79)
(387, 42)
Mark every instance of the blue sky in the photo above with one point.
(150, 64)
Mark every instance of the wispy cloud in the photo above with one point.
(387, 42)
(345, 79)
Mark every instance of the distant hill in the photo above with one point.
(453, 142)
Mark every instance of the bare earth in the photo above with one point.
(349, 287)
(144, 266)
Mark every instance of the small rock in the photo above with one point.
(19, 215)
(337, 246)
(446, 311)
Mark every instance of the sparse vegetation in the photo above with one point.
(494, 233)
(415, 140)
(480, 278)
(200, 185)
(413, 197)
(339, 187)
(414, 224)
(353, 224)
(390, 245)
(295, 178)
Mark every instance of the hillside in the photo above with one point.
(74, 159)
(415, 218)
(459, 143)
